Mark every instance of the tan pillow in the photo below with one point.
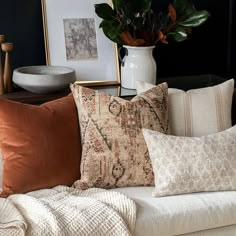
(40, 145)
(192, 164)
(198, 112)
(114, 153)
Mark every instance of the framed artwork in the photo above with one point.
(73, 39)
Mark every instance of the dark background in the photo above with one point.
(21, 23)
(210, 49)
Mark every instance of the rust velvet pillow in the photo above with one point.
(40, 145)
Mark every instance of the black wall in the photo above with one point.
(207, 49)
(210, 49)
(21, 23)
(232, 48)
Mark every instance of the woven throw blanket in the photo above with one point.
(64, 211)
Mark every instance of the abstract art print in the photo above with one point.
(80, 39)
(74, 39)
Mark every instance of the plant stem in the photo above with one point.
(118, 18)
(170, 28)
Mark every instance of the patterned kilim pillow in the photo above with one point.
(114, 152)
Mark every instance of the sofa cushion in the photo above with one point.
(114, 151)
(198, 112)
(221, 231)
(40, 145)
(182, 214)
(192, 164)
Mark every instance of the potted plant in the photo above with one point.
(139, 26)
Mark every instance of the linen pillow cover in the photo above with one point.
(192, 164)
(198, 112)
(40, 145)
(114, 153)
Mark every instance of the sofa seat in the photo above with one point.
(211, 213)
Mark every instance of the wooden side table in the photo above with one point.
(32, 98)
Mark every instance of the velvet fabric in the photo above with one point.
(40, 145)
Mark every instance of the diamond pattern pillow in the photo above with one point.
(186, 165)
(114, 153)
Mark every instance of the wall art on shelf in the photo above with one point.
(80, 39)
(73, 39)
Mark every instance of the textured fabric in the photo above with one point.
(40, 145)
(198, 112)
(192, 164)
(68, 211)
(183, 214)
(114, 153)
(11, 221)
(222, 231)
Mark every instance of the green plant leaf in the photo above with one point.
(196, 19)
(184, 8)
(137, 7)
(105, 11)
(117, 4)
(178, 35)
(112, 29)
(138, 18)
(144, 4)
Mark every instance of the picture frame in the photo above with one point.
(73, 39)
(116, 90)
(112, 90)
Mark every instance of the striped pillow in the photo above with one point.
(198, 112)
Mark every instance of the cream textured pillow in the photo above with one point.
(192, 164)
(114, 153)
(198, 112)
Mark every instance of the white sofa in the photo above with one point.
(196, 214)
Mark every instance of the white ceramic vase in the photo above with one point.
(138, 65)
